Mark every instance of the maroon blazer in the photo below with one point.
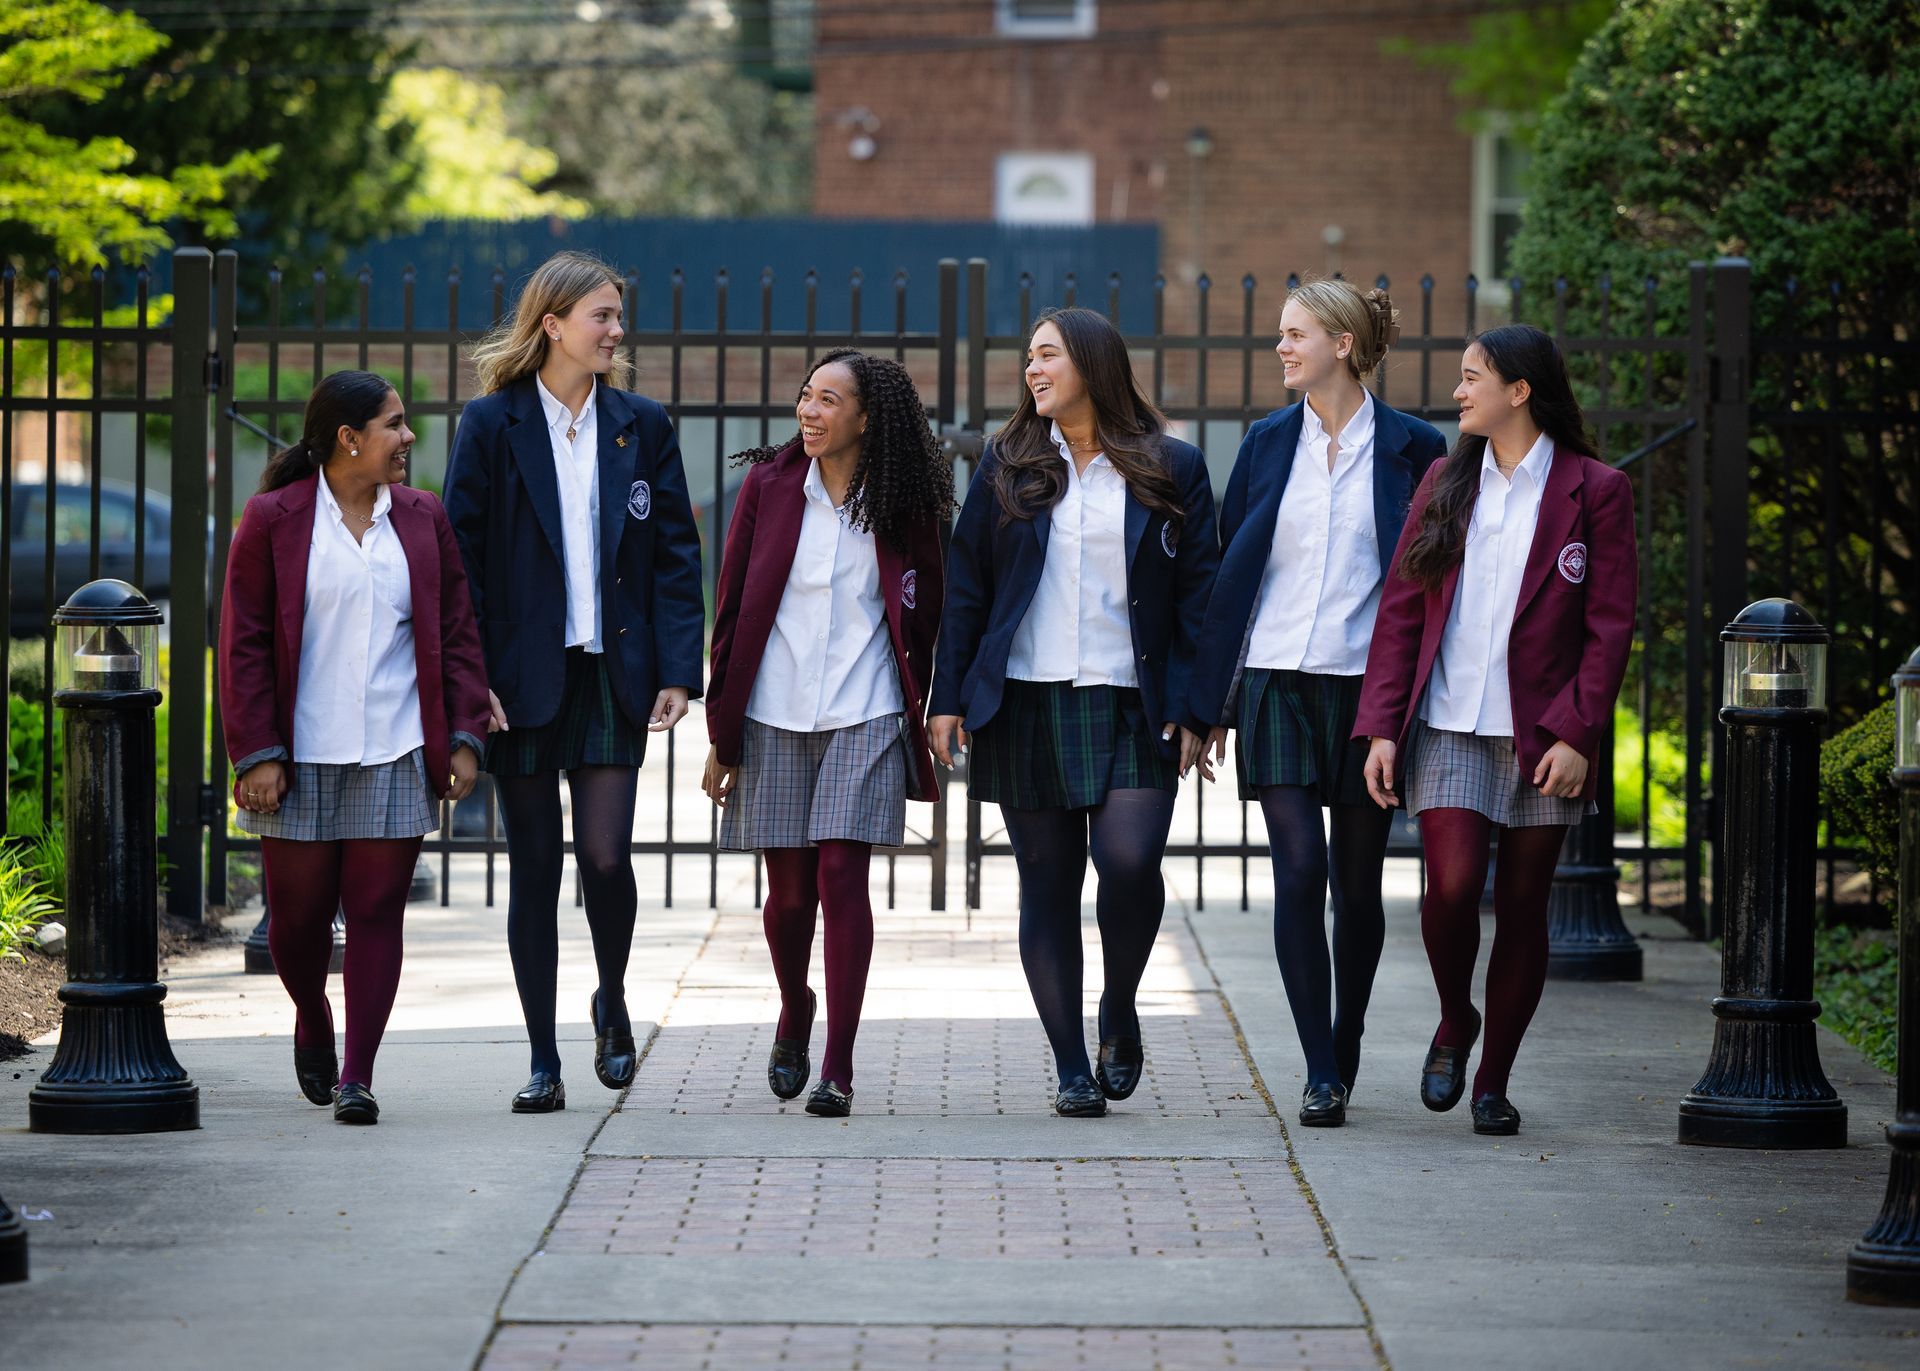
(1572, 625)
(266, 607)
(753, 576)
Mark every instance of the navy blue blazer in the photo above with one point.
(503, 497)
(1403, 448)
(993, 570)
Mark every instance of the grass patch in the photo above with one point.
(1856, 977)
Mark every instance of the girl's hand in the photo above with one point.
(1562, 773)
(496, 715)
(717, 780)
(263, 787)
(942, 730)
(1379, 773)
(669, 708)
(466, 771)
(1193, 749)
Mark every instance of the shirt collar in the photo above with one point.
(382, 499)
(558, 416)
(1359, 428)
(1066, 450)
(1537, 463)
(814, 487)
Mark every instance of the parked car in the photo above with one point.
(28, 610)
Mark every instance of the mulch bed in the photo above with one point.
(29, 1004)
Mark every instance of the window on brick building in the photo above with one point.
(1043, 188)
(1499, 191)
(1045, 18)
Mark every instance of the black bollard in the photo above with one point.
(1884, 1266)
(259, 955)
(114, 1071)
(1587, 940)
(13, 1246)
(1763, 1085)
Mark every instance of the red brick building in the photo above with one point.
(1260, 137)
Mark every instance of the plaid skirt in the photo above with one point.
(796, 789)
(588, 729)
(1054, 745)
(1467, 771)
(330, 802)
(1296, 728)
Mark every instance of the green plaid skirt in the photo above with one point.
(588, 729)
(1053, 745)
(1294, 729)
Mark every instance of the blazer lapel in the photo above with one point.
(1274, 464)
(776, 538)
(615, 462)
(1559, 508)
(292, 546)
(1136, 527)
(415, 532)
(1392, 477)
(532, 449)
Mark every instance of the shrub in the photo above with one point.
(1856, 977)
(24, 903)
(1667, 794)
(1856, 783)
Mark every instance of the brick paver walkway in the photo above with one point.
(950, 1049)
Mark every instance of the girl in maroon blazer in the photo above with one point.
(353, 698)
(828, 603)
(1500, 645)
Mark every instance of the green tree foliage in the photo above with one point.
(75, 199)
(1513, 61)
(1787, 132)
(471, 165)
(644, 109)
(309, 83)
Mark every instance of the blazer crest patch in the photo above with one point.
(1169, 541)
(640, 500)
(909, 588)
(1573, 563)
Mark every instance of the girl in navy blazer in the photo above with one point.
(828, 603)
(569, 501)
(1309, 522)
(1079, 573)
(1500, 647)
(353, 698)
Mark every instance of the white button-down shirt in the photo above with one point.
(1321, 588)
(576, 463)
(829, 660)
(1469, 691)
(1077, 628)
(359, 700)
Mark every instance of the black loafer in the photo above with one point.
(829, 1101)
(542, 1095)
(1117, 1066)
(1079, 1098)
(1495, 1115)
(318, 1072)
(354, 1103)
(787, 1065)
(614, 1056)
(1443, 1079)
(1323, 1106)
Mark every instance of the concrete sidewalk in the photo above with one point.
(953, 1220)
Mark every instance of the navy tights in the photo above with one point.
(1329, 1004)
(1126, 836)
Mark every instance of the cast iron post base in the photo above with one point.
(13, 1246)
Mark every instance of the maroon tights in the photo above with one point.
(800, 882)
(1455, 844)
(306, 882)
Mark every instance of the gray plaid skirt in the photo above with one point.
(1296, 728)
(796, 789)
(330, 803)
(589, 728)
(1055, 745)
(1467, 771)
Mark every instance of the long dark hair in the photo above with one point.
(350, 398)
(901, 476)
(1516, 352)
(1029, 477)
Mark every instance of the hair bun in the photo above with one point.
(1386, 319)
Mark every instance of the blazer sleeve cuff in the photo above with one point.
(1582, 737)
(275, 753)
(462, 738)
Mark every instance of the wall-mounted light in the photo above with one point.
(1199, 144)
(864, 123)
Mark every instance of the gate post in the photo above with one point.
(1730, 381)
(226, 274)
(946, 412)
(193, 359)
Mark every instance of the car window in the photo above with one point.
(73, 517)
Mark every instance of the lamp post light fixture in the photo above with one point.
(1884, 1266)
(114, 1071)
(1763, 1085)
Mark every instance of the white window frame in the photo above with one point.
(1008, 21)
(1074, 169)
(1487, 203)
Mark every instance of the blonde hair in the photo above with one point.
(1341, 307)
(518, 347)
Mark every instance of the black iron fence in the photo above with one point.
(1782, 464)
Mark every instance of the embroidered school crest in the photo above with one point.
(1573, 563)
(1169, 543)
(640, 500)
(909, 588)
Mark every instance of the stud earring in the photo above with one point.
(353, 452)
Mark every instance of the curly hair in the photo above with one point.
(901, 476)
